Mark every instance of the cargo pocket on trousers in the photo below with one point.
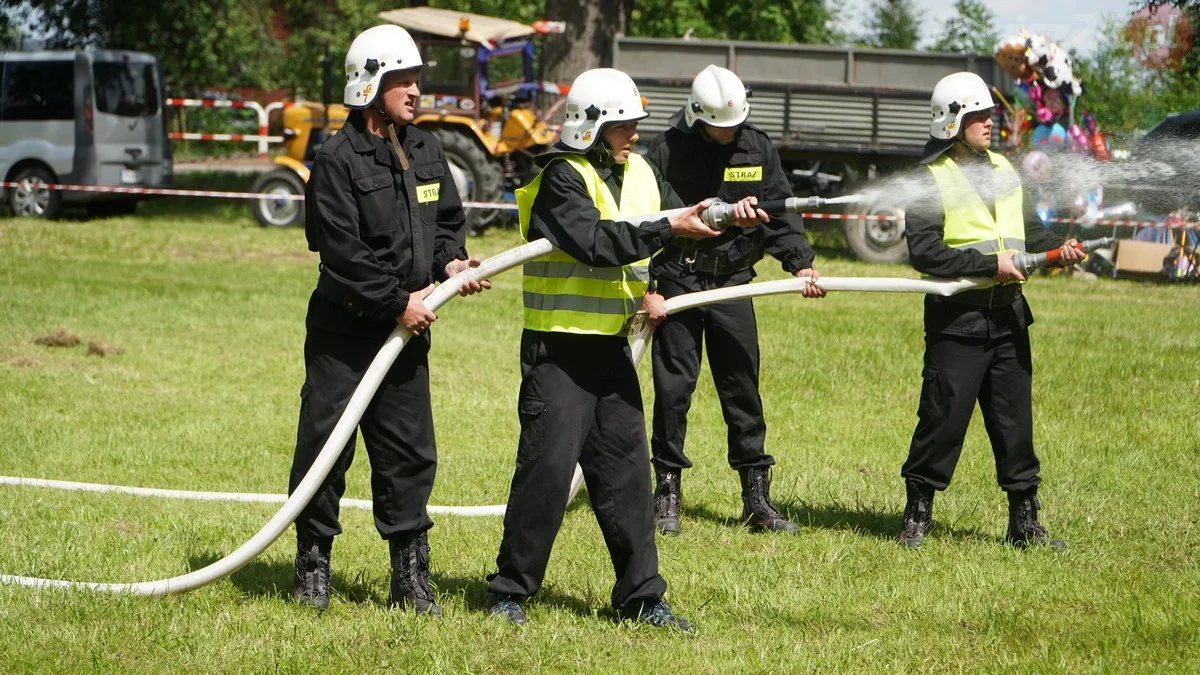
(933, 400)
(532, 412)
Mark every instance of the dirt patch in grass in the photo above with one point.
(102, 348)
(24, 362)
(59, 337)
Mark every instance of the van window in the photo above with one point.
(38, 90)
(125, 89)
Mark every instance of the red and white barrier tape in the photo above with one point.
(508, 206)
(1170, 224)
(116, 189)
(849, 216)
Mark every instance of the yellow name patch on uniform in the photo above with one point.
(743, 174)
(428, 193)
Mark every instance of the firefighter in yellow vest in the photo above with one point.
(970, 223)
(580, 401)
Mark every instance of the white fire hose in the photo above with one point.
(325, 459)
(366, 389)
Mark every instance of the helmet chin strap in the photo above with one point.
(602, 153)
(391, 128)
(958, 140)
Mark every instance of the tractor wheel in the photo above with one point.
(277, 210)
(879, 241)
(478, 176)
(33, 199)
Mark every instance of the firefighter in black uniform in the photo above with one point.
(383, 212)
(580, 401)
(711, 151)
(969, 222)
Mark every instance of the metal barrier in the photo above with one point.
(261, 137)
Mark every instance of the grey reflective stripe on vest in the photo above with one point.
(566, 270)
(990, 246)
(581, 303)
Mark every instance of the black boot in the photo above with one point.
(507, 606)
(667, 496)
(757, 509)
(410, 574)
(657, 613)
(918, 513)
(311, 580)
(1024, 530)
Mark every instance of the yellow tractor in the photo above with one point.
(478, 96)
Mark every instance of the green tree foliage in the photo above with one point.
(893, 25)
(199, 43)
(969, 31)
(273, 44)
(1122, 94)
(805, 21)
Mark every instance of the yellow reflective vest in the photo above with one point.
(968, 222)
(567, 296)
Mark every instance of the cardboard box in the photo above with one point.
(1140, 257)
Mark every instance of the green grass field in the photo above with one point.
(199, 315)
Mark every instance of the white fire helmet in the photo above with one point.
(953, 97)
(374, 53)
(597, 97)
(718, 99)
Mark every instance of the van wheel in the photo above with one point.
(477, 176)
(33, 199)
(277, 210)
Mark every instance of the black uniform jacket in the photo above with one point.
(924, 227)
(696, 168)
(564, 214)
(380, 231)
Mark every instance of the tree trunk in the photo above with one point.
(587, 41)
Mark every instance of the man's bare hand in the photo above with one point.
(417, 317)
(473, 286)
(1006, 270)
(810, 290)
(746, 216)
(655, 309)
(1070, 253)
(689, 225)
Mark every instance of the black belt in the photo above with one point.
(718, 264)
(985, 298)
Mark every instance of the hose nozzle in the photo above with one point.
(1027, 262)
(720, 213)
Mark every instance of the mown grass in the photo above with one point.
(207, 314)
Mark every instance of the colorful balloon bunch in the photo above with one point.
(1047, 91)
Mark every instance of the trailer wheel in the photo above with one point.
(478, 177)
(878, 241)
(277, 210)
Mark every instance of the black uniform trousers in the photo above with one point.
(397, 429)
(732, 348)
(957, 372)
(580, 402)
